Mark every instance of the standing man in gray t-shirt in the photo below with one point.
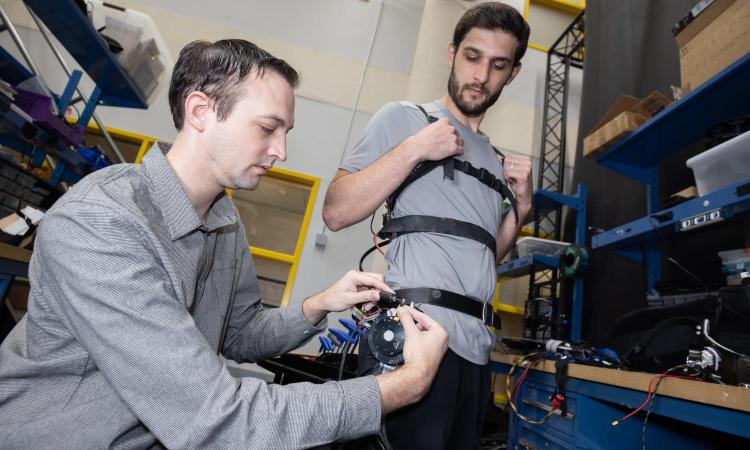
(484, 56)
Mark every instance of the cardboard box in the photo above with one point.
(624, 116)
(711, 37)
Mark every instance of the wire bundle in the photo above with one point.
(651, 396)
(531, 360)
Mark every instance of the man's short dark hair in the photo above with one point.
(217, 69)
(494, 16)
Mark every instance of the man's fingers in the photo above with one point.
(371, 280)
(407, 321)
(364, 297)
(424, 321)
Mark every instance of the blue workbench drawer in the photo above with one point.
(540, 437)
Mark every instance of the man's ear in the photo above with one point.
(197, 110)
(516, 69)
(451, 55)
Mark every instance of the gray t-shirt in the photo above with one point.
(435, 260)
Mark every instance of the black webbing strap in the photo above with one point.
(457, 302)
(430, 224)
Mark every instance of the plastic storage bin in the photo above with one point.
(731, 255)
(722, 165)
(538, 246)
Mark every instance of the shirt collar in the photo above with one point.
(173, 201)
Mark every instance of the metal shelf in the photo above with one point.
(546, 201)
(723, 97)
(19, 132)
(77, 34)
(724, 204)
(524, 266)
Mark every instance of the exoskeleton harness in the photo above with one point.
(394, 227)
(388, 350)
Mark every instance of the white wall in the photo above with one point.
(327, 41)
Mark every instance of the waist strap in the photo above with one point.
(457, 302)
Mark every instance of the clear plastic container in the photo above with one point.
(736, 266)
(722, 165)
(538, 246)
(731, 255)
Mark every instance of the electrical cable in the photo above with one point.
(510, 393)
(651, 393)
(651, 403)
(701, 283)
(344, 352)
(377, 244)
(372, 220)
(370, 250)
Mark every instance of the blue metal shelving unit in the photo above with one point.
(547, 201)
(77, 34)
(724, 97)
(19, 132)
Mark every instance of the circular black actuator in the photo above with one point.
(386, 340)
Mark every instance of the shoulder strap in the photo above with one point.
(449, 165)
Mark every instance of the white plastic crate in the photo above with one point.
(538, 246)
(730, 255)
(722, 165)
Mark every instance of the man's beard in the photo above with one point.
(471, 110)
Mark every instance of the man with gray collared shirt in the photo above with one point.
(447, 226)
(141, 274)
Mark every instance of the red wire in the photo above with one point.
(650, 394)
(520, 380)
(377, 244)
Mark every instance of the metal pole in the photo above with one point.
(32, 67)
(64, 65)
(17, 39)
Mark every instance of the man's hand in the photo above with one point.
(518, 173)
(425, 343)
(352, 289)
(437, 141)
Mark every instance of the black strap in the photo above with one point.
(561, 380)
(457, 302)
(431, 224)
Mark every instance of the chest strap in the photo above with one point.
(430, 224)
(457, 302)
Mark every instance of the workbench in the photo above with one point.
(686, 414)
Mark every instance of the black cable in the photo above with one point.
(372, 220)
(701, 283)
(344, 351)
(651, 403)
(370, 250)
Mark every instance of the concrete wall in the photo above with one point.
(328, 41)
